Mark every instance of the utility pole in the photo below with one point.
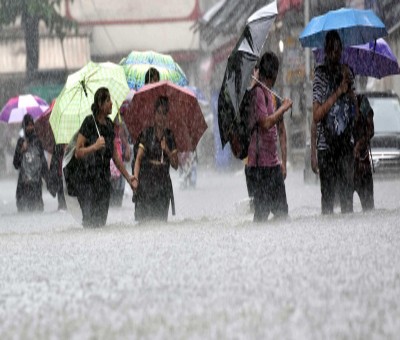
(307, 50)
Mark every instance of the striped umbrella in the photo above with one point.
(75, 100)
(16, 108)
(136, 64)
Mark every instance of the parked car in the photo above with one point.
(385, 145)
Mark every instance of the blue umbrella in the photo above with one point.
(374, 59)
(354, 26)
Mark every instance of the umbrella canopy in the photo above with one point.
(16, 108)
(43, 129)
(185, 118)
(374, 59)
(241, 63)
(355, 27)
(136, 64)
(75, 100)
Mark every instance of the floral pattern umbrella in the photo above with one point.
(136, 64)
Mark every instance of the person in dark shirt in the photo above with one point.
(95, 146)
(151, 181)
(29, 159)
(334, 101)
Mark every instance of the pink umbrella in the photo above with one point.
(16, 108)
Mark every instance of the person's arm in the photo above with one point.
(138, 162)
(120, 166)
(168, 146)
(283, 144)
(269, 121)
(172, 155)
(125, 143)
(20, 148)
(81, 151)
(321, 109)
(314, 159)
(370, 124)
(173, 158)
(45, 167)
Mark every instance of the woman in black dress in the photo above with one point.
(151, 180)
(96, 151)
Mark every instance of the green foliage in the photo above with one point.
(42, 10)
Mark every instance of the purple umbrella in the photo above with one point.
(372, 59)
(17, 107)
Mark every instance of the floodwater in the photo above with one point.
(210, 273)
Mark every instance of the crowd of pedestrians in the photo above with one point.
(341, 128)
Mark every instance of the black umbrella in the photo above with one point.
(241, 63)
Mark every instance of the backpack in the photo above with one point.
(240, 133)
(338, 122)
(32, 164)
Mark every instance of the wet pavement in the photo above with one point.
(208, 273)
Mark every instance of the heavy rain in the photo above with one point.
(209, 271)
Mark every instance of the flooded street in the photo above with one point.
(209, 273)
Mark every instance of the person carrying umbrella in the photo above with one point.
(95, 146)
(264, 166)
(31, 162)
(334, 110)
(156, 152)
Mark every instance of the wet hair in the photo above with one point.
(269, 66)
(332, 38)
(27, 120)
(163, 102)
(151, 75)
(100, 97)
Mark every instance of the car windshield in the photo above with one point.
(386, 114)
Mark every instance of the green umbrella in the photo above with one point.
(74, 102)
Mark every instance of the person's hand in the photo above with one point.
(100, 143)
(345, 84)
(254, 77)
(131, 179)
(314, 163)
(287, 104)
(24, 146)
(134, 181)
(164, 146)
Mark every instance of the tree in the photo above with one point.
(31, 13)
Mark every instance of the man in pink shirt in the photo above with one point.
(265, 168)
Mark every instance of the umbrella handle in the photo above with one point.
(95, 124)
(267, 88)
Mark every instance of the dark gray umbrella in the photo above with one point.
(241, 63)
